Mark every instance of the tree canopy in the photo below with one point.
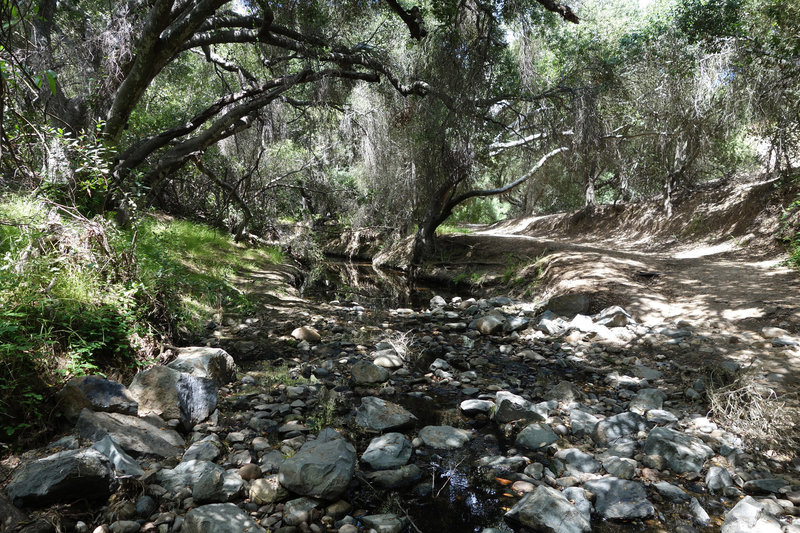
(387, 113)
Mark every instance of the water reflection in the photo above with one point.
(369, 286)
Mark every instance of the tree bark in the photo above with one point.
(442, 204)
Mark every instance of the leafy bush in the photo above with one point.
(79, 296)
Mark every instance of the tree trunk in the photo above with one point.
(588, 191)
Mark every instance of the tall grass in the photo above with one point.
(79, 296)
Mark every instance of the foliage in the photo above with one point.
(79, 296)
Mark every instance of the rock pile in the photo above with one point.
(561, 414)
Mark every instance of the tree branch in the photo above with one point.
(412, 19)
(565, 11)
(492, 192)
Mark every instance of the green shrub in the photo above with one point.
(78, 296)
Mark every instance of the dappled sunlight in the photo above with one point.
(704, 251)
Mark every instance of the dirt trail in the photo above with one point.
(695, 284)
(720, 291)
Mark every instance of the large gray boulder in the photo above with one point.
(197, 398)
(750, 516)
(376, 414)
(156, 390)
(206, 362)
(174, 395)
(61, 478)
(322, 468)
(683, 453)
(209, 482)
(578, 461)
(547, 510)
(136, 435)
(387, 451)
(96, 393)
(620, 498)
(219, 518)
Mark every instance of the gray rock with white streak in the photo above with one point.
(546, 509)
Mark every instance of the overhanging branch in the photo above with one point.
(505, 188)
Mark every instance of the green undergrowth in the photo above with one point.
(79, 296)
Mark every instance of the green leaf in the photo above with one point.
(51, 80)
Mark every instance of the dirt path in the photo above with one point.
(718, 291)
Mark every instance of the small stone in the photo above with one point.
(620, 467)
(267, 490)
(306, 333)
(536, 436)
(620, 499)
(444, 437)
(387, 451)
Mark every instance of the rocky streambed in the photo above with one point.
(468, 415)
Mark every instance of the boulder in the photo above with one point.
(437, 302)
(621, 425)
(297, 511)
(135, 435)
(682, 453)
(387, 451)
(387, 358)
(582, 423)
(209, 482)
(96, 393)
(444, 437)
(547, 510)
(379, 415)
(395, 478)
(205, 362)
(384, 523)
(219, 518)
(647, 400)
(569, 305)
(749, 516)
(206, 449)
(613, 317)
(267, 490)
(491, 324)
(476, 407)
(511, 407)
(536, 436)
(306, 333)
(322, 468)
(367, 373)
(197, 399)
(620, 498)
(123, 463)
(63, 477)
(578, 461)
(156, 390)
(174, 395)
